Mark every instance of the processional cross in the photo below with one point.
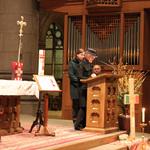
(21, 23)
(131, 99)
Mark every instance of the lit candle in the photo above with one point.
(143, 115)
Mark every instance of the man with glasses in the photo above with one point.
(84, 71)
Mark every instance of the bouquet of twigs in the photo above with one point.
(139, 77)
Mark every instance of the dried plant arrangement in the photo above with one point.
(123, 88)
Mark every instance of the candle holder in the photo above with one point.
(143, 145)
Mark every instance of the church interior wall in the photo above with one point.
(10, 13)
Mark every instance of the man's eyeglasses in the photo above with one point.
(91, 56)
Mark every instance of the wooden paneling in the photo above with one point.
(146, 66)
(142, 39)
(146, 101)
(138, 109)
(66, 99)
(63, 6)
(134, 5)
(146, 45)
(65, 55)
(78, 7)
(121, 34)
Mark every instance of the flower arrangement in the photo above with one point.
(139, 77)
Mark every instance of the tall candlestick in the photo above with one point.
(143, 115)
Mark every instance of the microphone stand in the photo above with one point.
(109, 66)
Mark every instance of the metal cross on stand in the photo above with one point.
(131, 99)
(21, 23)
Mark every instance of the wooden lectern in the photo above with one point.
(45, 84)
(101, 115)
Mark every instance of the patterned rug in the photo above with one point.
(28, 141)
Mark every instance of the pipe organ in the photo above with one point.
(131, 39)
(74, 36)
(102, 33)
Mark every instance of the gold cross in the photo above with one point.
(21, 23)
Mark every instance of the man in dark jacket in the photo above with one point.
(72, 72)
(84, 71)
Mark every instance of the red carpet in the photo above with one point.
(27, 141)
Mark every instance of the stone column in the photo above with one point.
(10, 12)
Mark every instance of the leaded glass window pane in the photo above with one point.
(48, 69)
(56, 27)
(58, 34)
(49, 42)
(48, 56)
(49, 33)
(59, 57)
(51, 26)
(58, 71)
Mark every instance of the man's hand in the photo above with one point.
(93, 75)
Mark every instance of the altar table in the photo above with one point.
(10, 93)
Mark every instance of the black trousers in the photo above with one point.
(81, 119)
(75, 110)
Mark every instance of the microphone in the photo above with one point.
(109, 66)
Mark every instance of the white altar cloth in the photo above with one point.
(18, 88)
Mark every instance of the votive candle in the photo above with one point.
(143, 115)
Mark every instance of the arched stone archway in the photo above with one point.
(46, 18)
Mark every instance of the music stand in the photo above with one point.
(46, 83)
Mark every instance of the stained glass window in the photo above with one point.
(54, 52)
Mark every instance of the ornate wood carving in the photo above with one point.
(10, 117)
(103, 2)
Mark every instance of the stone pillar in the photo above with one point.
(10, 12)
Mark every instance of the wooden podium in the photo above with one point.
(101, 115)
